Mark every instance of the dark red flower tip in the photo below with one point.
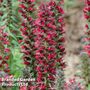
(86, 9)
(7, 57)
(0, 65)
(61, 47)
(60, 20)
(60, 10)
(87, 27)
(51, 49)
(86, 16)
(22, 6)
(20, 41)
(7, 50)
(31, 1)
(52, 3)
(7, 70)
(1, 1)
(51, 77)
(62, 39)
(0, 57)
(4, 62)
(26, 63)
(5, 34)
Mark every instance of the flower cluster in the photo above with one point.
(26, 8)
(43, 41)
(49, 43)
(4, 51)
(87, 17)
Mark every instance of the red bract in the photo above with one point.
(49, 45)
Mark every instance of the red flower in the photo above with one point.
(42, 87)
(22, 6)
(7, 57)
(31, 1)
(20, 41)
(6, 42)
(0, 57)
(60, 10)
(51, 77)
(60, 20)
(7, 70)
(87, 26)
(1, 65)
(5, 34)
(49, 41)
(4, 62)
(87, 47)
(51, 56)
(23, 88)
(7, 50)
(87, 2)
(26, 63)
(51, 48)
(30, 9)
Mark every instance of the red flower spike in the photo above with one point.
(4, 41)
(48, 35)
(26, 8)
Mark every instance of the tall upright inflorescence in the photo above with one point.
(27, 48)
(4, 51)
(49, 44)
(4, 43)
(86, 47)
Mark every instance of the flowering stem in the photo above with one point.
(49, 44)
(86, 47)
(27, 12)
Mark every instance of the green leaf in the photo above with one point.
(12, 26)
(3, 23)
(12, 35)
(15, 88)
(16, 66)
(88, 87)
(14, 42)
